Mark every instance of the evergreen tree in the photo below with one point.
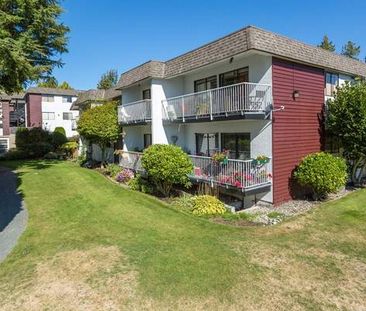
(108, 80)
(351, 50)
(31, 40)
(326, 44)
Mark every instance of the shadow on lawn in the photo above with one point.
(11, 197)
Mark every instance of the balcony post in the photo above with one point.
(211, 106)
(183, 109)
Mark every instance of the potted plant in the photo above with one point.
(261, 160)
(220, 157)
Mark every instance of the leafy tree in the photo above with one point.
(351, 50)
(166, 166)
(347, 120)
(49, 82)
(65, 86)
(31, 40)
(326, 44)
(58, 137)
(99, 125)
(108, 80)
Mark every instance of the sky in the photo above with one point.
(121, 34)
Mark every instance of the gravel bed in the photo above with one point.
(288, 209)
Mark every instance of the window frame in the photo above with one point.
(69, 114)
(237, 134)
(146, 94)
(48, 114)
(145, 140)
(68, 99)
(49, 97)
(236, 72)
(209, 152)
(205, 81)
(333, 87)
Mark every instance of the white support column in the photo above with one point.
(157, 128)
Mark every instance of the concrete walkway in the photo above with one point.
(13, 214)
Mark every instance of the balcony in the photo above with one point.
(243, 100)
(135, 113)
(244, 175)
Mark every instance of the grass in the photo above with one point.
(93, 245)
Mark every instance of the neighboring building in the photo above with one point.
(251, 93)
(90, 99)
(37, 107)
(50, 108)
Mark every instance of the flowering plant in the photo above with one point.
(125, 176)
(219, 157)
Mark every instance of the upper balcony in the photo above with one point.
(242, 100)
(138, 112)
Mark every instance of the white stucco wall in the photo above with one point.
(58, 108)
(134, 136)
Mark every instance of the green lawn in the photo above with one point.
(93, 245)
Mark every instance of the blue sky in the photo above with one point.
(121, 34)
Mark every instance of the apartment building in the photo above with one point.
(37, 107)
(252, 93)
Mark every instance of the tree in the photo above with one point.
(53, 83)
(49, 82)
(347, 120)
(65, 86)
(351, 50)
(108, 80)
(326, 44)
(99, 125)
(31, 41)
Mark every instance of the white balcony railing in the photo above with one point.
(242, 174)
(236, 99)
(136, 112)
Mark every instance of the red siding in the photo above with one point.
(296, 129)
(34, 110)
(6, 117)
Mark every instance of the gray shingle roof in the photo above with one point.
(95, 96)
(52, 91)
(150, 69)
(249, 38)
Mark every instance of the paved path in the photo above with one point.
(13, 214)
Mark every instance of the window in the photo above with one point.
(207, 143)
(146, 94)
(205, 84)
(48, 98)
(66, 99)
(48, 116)
(237, 145)
(234, 77)
(331, 83)
(67, 116)
(147, 140)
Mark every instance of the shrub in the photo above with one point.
(37, 150)
(207, 205)
(58, 137)
(184, 203)
(15, 154)
(140, 184)
(51, 156)
(60, 130)
(112, 170)
(70, 148)
(322, 172)
(166, 166)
